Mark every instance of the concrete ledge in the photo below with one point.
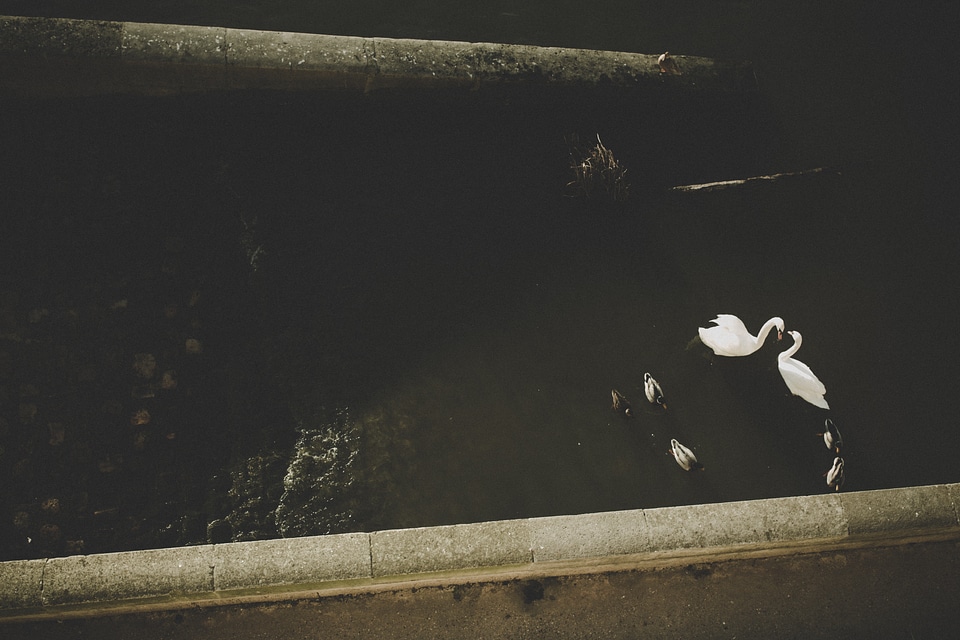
(169, 578)
(50, 37)
(448, 548)
(129, 575)
(300, 51)
(45, 57)
(591, 535)
(901, 509)
(174, 44)
(751, 522)
(21, 584)
(246, 565)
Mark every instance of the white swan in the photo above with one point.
(651, 388)
(799, 378)
(684, 457)
(731, 338)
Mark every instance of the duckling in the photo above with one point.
(620, 404)
(834, 474)
(684, 457)
(831, 436)
(653, 391)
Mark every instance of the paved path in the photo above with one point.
(909, 591)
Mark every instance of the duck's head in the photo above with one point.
(620, 404)
(831, 436)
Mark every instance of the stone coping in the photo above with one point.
(169, 578)
(66, 57)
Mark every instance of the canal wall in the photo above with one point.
(65, 57)
(160, 579)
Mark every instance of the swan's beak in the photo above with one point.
(779, 335)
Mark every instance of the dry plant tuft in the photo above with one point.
(596, 171)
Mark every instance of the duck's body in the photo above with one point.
(684, 456)
(831, 436)
(800, 380)
(730, 337)
(651, 388)
(668, 65)
(621, 405)
(835, 474)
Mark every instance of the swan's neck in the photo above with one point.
(792, 350)
(766, 329)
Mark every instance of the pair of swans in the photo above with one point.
(730, 338)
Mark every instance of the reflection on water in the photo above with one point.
(382, 312)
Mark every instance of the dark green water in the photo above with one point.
(399, 311)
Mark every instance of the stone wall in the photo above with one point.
(275, 569)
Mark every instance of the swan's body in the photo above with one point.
(684, 456)
(730, 336)
(835, 474)
(620, 404)
(653, 391)
(799, 378)
(831, 436)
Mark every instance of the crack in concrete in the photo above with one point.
(370, 554)
(43, 576)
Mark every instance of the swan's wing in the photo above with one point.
(802, 382)
(730, 322)
(812, 377)
(722, 342)
(727, 338)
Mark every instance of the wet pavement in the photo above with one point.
(910, 590)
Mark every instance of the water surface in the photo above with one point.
(397, 308)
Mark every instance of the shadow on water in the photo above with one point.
(345, 313)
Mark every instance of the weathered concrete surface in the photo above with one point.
(590, 535)
(123, 576)
(246, 565)
(21, 583)
(174, 44)
(482, 544)
(62, 57)
(903, 591)
(44, 38)
(901, 509)
(752, 522)
(651, 539)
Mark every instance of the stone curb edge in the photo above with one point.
(331, 562)
(59, 56)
